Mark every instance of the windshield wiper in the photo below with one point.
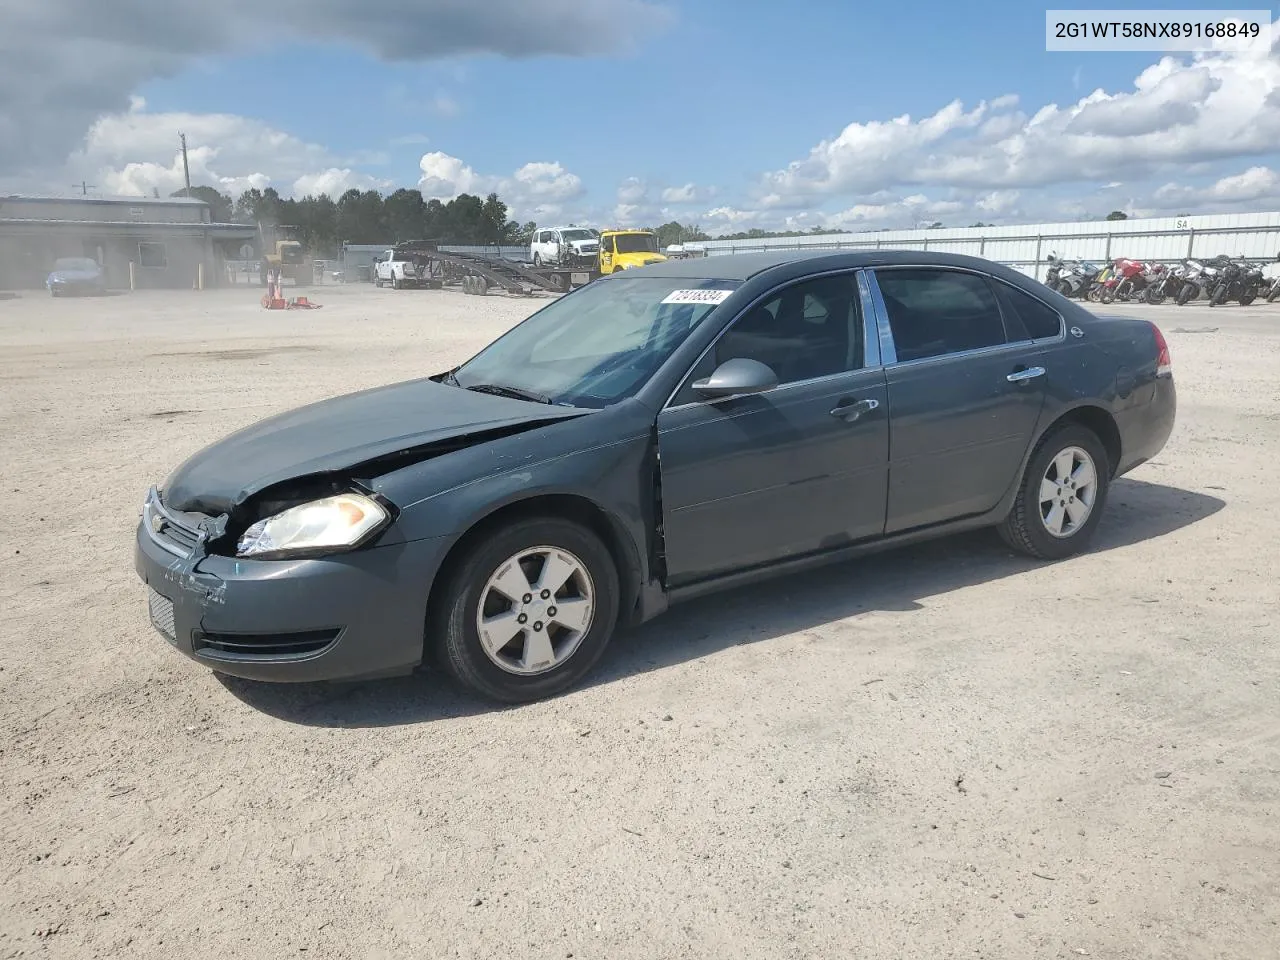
(502, 390)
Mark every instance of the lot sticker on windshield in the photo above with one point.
(696, 296)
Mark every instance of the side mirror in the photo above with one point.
(736, 376)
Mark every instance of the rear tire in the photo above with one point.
(453, 623)
(1042, 499)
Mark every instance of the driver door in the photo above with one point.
(606, 255)
(801, 468)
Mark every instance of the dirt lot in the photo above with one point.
(943, 752)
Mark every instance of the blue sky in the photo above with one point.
(717, 95)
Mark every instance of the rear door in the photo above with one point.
(801, 468)
(965, 391)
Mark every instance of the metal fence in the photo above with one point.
(1028, 251)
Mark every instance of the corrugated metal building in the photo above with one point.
(1027, 247)
(166, 239)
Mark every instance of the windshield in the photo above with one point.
(636, 243)
(599, 344)
(75, 263)
(572, 235)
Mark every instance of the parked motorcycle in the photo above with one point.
(1197, 278)
(1071, 278)
(1236, 281)
(1100, 281)
(1169, 284)
(1272, 278)
(1127, 281)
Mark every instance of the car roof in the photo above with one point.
(743, 266)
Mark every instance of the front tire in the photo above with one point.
(528, 610)
(1062, 495)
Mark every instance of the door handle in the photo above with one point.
(1021, 376)
(852, 411)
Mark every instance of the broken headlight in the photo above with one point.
(329, 525)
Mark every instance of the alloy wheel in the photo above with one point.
(1068, 490)
(535, 610)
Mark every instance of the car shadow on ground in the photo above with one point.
(893, 580)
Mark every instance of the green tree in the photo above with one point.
(362, 218)
(405, 214)
(1117, 215)
(220, 204)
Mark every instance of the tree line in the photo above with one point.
(366, 216)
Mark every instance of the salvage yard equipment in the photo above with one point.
(476, 274)
(283, 251)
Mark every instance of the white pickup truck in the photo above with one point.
(397, 270)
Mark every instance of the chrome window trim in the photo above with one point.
(887, 331)
(870, 334)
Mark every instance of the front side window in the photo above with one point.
(598, 345)
(935, 312)
(808, 330)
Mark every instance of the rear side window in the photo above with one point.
(934, 312)
(1038, 320)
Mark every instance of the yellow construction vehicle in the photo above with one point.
(623, 249)
(283, 251)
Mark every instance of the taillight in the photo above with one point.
(1164, 363)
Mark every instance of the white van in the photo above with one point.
(564, 246)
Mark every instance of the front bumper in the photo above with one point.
(353, 616)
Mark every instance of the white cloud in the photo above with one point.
(137, 153)
(689, 193)
(1212, 107)
(445, 177)
(632, 190)
(66, 63)
(541, 182)
(536, 189)
(1258, 186)
(334, 182)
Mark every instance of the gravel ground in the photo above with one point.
(945, 751)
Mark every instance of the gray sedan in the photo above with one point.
(656, 435)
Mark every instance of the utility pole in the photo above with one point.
(84, 187)
(186, 170)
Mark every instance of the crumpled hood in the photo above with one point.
(338, 434)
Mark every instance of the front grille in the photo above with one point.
(249, 646)
(178, 533)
